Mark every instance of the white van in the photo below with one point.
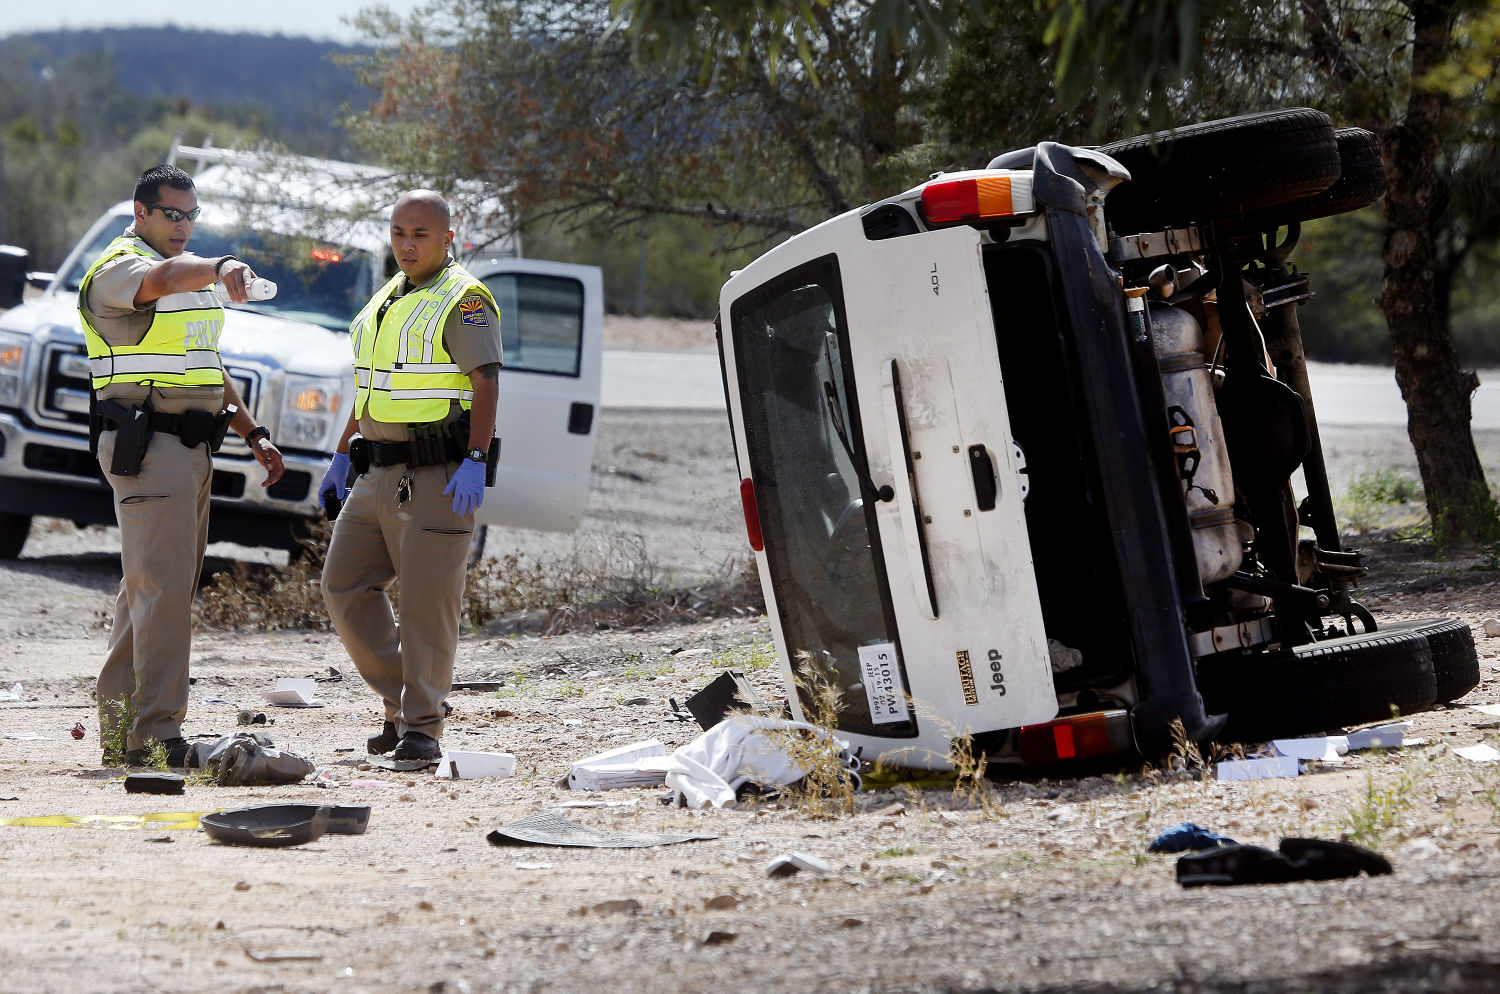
(291, 361)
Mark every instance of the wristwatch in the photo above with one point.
(478, 455)
(259, 431)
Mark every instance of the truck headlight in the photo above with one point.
(12, 366)
(308, 409)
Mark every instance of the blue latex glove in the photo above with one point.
(467, 487)
(337, 477)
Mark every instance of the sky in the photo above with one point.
(323, 19)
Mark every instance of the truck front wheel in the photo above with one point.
(13, 531)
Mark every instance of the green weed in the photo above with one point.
(1381, 808)
(1386, 486)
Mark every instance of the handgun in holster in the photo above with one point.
(132, 435)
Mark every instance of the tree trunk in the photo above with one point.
(1436, 390)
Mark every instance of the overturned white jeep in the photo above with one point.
(1018, 450)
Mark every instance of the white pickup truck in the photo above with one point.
(290, 359)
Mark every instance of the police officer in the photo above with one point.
(426, 358)
(162, 403)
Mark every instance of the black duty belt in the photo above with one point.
(409, 453)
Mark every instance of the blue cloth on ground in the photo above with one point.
(1187, 836)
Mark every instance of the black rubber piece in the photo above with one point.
(268, 825)
(1455, 661)
(155, 783)
(1361, 182)
(348, 819)
(1353, 680)
(1221, 170)
(1299, 859)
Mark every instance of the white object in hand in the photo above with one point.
(260, 288)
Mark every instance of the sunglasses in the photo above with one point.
(172, 213)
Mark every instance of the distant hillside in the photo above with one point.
(291, 81)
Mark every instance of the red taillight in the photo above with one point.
(327, 255)
(752, 514)
(967, 199)
(1080, 736)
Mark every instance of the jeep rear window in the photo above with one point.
(541, 321)
(803, 434)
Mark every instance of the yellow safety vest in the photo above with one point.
(402, 373)
(179, 349)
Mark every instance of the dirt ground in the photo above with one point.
(1047, 888)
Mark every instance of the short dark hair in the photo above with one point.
(148, 187)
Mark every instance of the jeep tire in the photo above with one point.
(1353, 680)
(1221, 170)
(1455, 663)
(1361, 182)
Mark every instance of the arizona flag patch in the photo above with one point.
(472, 312)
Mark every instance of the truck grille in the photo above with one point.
(65, 390)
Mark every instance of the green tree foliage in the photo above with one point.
(547, 101)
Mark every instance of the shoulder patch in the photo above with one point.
(471, 311)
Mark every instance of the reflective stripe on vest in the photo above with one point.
(402, 372)
(179, 349)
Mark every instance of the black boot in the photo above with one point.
(379, 745)
(417, 746)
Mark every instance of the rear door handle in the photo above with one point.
(983, 469)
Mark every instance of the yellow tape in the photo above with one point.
(169, 820)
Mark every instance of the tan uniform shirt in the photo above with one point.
(112, 310)
(470, 345)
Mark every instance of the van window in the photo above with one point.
(541, 322)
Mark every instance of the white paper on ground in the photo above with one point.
(1323, 748)
(1493, 709)
(1264, 768)
(1380, 737)
(1479, 753)
(639, 764)
(459, 765)
(28, 737)
(294, 692)
(13, 694)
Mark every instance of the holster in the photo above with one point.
(359, 455)
(132, 435)
(493, 462)
(96, 422)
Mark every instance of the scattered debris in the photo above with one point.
(721, 902)
(718, 938)
(552, 829)
(627, 905)
(294, 692)
(726, 694)
(13, 694)
(1481, 753)
(272, 825)
(890, 810)
(710, 770)
(1299, 859)
(1492, 627)
(533, 866)
(1389, 736)
(1262, 768)
(639, 764)
(155, 783)
(1187, 835)
(795, 862)
(458, 765)
(1320, 749)
(78, 731)
(246, 758)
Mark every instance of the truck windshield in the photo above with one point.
(803, 436)
(315, 283)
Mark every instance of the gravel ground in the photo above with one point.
(1043, 886)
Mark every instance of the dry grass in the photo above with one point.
(616, 585)
(827, 790)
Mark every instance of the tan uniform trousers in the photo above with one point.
(163, 516)
(426, 546)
